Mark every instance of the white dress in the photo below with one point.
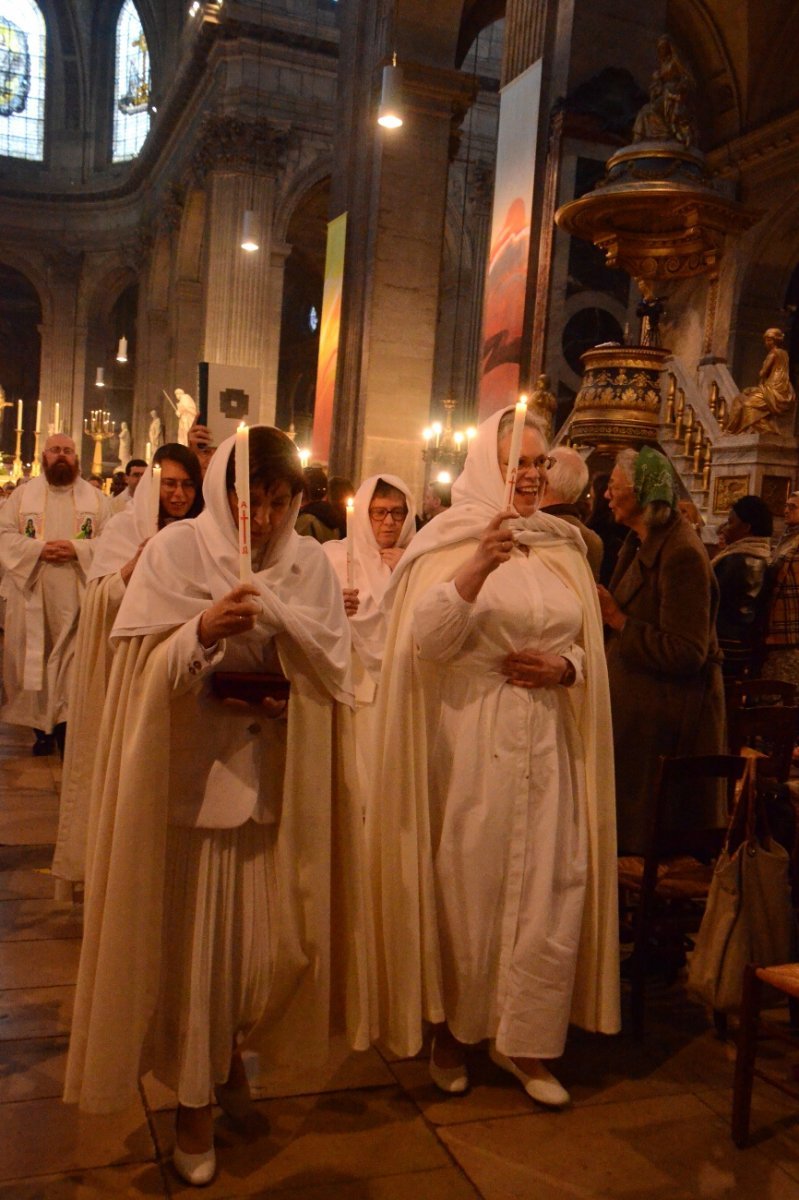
(508, 812)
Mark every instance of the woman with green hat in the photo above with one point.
(664, 663)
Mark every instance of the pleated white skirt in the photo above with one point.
(218, 953)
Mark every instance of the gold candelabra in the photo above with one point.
(99, 427)
(444, 445)
(16, 468)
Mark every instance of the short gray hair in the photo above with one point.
(567, 478)
(657, 512)
(531, 421)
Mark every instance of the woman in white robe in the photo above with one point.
(491, 827)
(115, 558)
(215, 878)
(377, 537)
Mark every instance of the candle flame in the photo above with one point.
(350, 505)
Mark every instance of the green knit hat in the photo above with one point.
(653, 478)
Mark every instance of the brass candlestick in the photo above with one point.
(99, 427)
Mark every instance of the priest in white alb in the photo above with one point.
(47, 537)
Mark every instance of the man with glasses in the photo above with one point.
(47, 538)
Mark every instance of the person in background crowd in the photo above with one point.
(600, 520)
(317, 518)
(118, 551)
(664, 664)
(96, 481)
(567, 482)
(117, 484)
(381, 527)
(740, 570)
(134, 470)
(48, 532)
(437, 497)
(781, 623)
(201, 443)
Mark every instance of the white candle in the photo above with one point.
(243, 494)
(515, 450)
(19, 414)
(350, 553)
(38, 428)
(155, 496)
(57, 421)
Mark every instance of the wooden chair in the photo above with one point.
(751, 693)
(785, 979)
(770, 730)
(666, 890)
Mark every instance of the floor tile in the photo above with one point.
(24, 920)
(28, 829)
(341, 1138)
(73, 1140)
(774, 1123)
(25, 872)
(645, 1150)
(35, 1012)
(38, 963)
(32, 1068)
(142, 1181)
(445, 1184)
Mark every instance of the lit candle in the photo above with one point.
(427, 434)
(19, 414)
(471, 432)
(305, 456)
(243, 495)
(438, 429)
(155, 496)
(57, 420)
(38, 428)
(515, 450)
(350, 552)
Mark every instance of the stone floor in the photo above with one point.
(649, 1121)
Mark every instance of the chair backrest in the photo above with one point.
(698, 795)
(770, 730)
(749, 693)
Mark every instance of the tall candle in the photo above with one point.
(38, 428)
(243, 494)
(350, 548)
(19, 414)
(515, 450)
(155, 496)
(57, 421)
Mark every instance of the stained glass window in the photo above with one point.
(22, 47)
(131, 85)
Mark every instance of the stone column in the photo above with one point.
(279, 252)
(61, 382)
(525, 25)
(239, 161)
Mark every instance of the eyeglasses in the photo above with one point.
(543, 463)
(379, 515)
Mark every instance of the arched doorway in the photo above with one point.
(20, 357)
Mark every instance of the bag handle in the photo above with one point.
(742, 822)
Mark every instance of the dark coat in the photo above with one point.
(666, 688)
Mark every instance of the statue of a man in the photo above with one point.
(543, 402)
(186, 411)
(669, 114)
(156, 434)
(753, 409)
(124, 443)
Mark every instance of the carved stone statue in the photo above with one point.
(669, 113)
(753, 409)
(156, 434)
(544, 403)
(186, 411)
(124, 443)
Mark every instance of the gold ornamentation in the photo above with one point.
(774, 490)
(728, 489)
(619, 401)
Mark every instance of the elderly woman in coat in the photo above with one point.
(664, 663)
(491, 824)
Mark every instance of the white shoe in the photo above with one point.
(196, 1169)
(541, 1086)
(452, 1080)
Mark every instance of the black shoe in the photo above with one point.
(44, 744)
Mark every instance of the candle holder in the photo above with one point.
(444, 445)
(99, 427)
(16, 467)
(36, 465)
